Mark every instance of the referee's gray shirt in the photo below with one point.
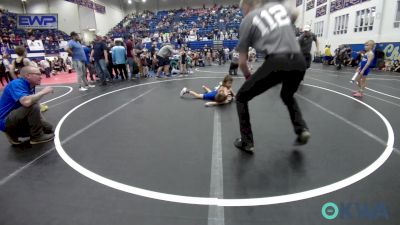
(268, 29)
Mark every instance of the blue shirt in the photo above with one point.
(118, 55)
(77, 51)
(87, 53)
(9, 101)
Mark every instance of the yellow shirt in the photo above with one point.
(328, 52)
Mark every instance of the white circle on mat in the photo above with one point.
(220, 201)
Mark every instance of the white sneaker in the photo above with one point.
(83, 89)
(184, 91)
(91, 85)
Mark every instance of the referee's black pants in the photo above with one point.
(288, 69)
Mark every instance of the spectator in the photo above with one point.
(182, 61)
(119, 58)
(163, 59)
(100, 57)
(396, 66)
(138, 50)
(20, 114)
(20, 62)
(89, 65)
(3, 74)
(129, 54)
(46, 67)
(328, 55)
(145, 60)
(75, 50)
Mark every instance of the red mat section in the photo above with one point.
(60, 78)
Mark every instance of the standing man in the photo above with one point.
(119, 59)
(163, 59)
(268, 28)
(100, 57)
(153, 56)
(129, 54)
(89, 65)
(20, 114)
(306, 40)
(75, 50)
(138, 50)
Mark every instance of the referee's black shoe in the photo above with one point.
(303, 137)
(246, 147)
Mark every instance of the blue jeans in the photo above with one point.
(101, 70)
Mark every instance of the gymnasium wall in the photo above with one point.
(383, 29)
(11, 5)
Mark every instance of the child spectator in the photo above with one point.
(234, 62)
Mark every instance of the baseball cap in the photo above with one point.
(307, 28)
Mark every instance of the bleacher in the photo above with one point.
(146, 24)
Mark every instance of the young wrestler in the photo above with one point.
(222, 95)
(364, 68)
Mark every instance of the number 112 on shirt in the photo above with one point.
(270, 19)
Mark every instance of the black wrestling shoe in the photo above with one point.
(13, 141)
(303, 137)
(246, 147)
(42, 139)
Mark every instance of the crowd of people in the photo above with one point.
(130, 59)
(182, 25)
(344, 55)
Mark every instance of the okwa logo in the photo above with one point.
(351, 211)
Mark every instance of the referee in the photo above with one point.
(267, 27)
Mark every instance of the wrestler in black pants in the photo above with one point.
(288, 69)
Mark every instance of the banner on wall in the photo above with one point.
(341, 4)
(36, 45)
(37, 21)
(100, 8)
(310, 4)
(299, 2)
(391, 50)
(90, 4)
(321, 11)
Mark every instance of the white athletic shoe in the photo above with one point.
(83, 89)
(91, 85)
(184, 91)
